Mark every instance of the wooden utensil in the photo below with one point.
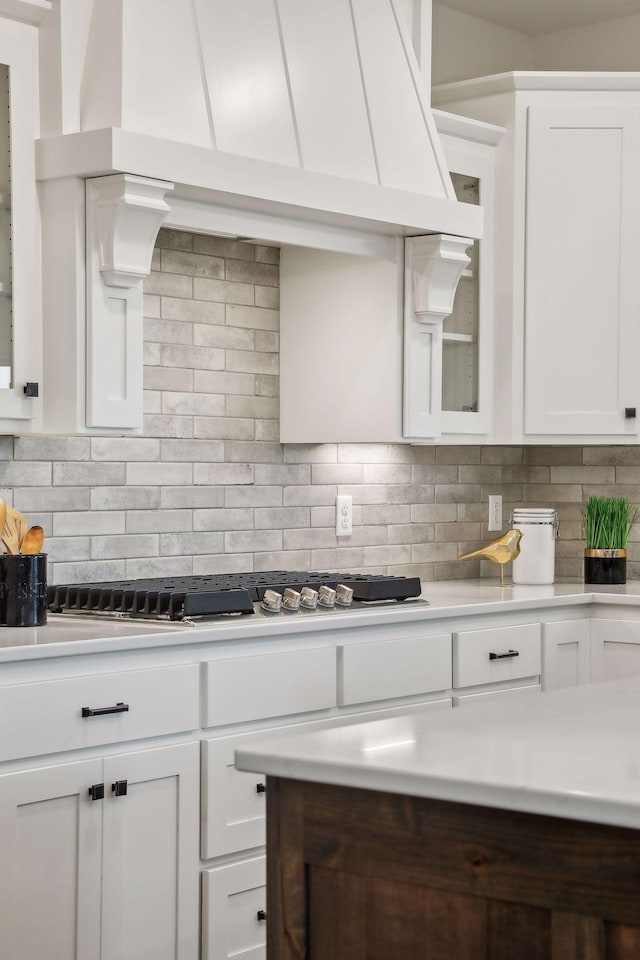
(11, 534)
(21, 524)
(32, 540)
(3, 514)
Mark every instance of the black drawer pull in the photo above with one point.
(261, 788)
(96, 791)
(262, 914)
(119, 788)
(504, 656)
(102, 711)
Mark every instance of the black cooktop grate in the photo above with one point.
(174, 598)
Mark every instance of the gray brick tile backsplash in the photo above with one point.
(167, 331)
(268, 297)
(223, 428)
(266, 274)
(208, 488)
(192, 311)
(227, 338)
(268, 430)
(223, 519)
(191, 497)
(220, 247)
(168, 426)
(46, 448)
(175, 240)
(163, 378)
(125, 498)
(190, 404)
(222, 291)
(191, 450)
(223, 382)
(192, 264)
(257, 318)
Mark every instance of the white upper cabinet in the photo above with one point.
(582, 296)
(20, 289)
(567, 244)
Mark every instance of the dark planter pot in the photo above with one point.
(607, 567)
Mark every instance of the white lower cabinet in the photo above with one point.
(499, 654)
(566, 654)
(402, 667)
(615, 649)
(234, 902)
(110, 878)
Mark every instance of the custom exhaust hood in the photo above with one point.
(312, 110)
(296, 122)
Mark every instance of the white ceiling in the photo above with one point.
(544, 16)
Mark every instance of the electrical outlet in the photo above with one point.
(344, 515)
(495, 513)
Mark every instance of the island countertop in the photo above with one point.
(569, 753)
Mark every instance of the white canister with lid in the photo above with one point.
(535, 563)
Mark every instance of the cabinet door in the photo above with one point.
(467, 334)
(565, 654)
(582, 299)
(150, 870)
(50, 843)
(233, 911)
(20, 287)
(615, 649)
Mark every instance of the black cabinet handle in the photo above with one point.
(504, 656)
(262, 914)
(102, 711)
(119, 788)
(96, 791)
(261, 788)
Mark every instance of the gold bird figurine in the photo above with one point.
(503, 549)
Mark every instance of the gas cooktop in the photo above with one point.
(177, 598)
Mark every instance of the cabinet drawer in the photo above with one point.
(386, 669)
(233, 803)
(270, 685)
(233, 898)
(39, 718)
(503, 653)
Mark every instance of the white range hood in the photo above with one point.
(303, 109)
(303, 123)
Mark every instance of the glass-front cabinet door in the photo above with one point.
(6, 322)
(460, 329)
(20, 262)
(467, 334)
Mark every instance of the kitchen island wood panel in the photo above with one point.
(355, 874)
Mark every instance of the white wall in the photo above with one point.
(465, 46)
(611, 45)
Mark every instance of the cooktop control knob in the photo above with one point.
(291, 600)
(344, 595)
(326, 596)
(308, 598)
(272, 601)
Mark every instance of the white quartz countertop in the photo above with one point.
(67, 634)
(570, 753)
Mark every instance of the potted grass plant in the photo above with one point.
(607, 525)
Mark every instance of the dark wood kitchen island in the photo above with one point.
(501, 832)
